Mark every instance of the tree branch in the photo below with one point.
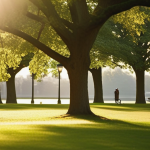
(13, 72)
(39, 6)
(35, 17)
(68, 24)
(118, 6)
(54, 20)
(18, 69)
(38, 44)
(40, 31)
(117, 64)
(79, 11)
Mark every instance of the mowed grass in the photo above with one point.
(39, 127)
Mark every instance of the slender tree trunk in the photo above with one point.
(11, 90)
(32, 99)
(140, 86)
(79, 100)
(0, 98)
(98, 87)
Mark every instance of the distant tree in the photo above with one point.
(98, 61)
(16, 54)
(11, 90)
(0, 96)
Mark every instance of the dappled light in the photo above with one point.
(81, 36)
(44, 126)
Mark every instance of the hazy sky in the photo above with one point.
(112, 78)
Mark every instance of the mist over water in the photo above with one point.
(112, 79)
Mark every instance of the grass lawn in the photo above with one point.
(36, 127)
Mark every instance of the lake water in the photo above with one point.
(67, 101)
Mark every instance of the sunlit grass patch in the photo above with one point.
(39, 127)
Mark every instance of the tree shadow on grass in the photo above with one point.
(122, 107)
(102, 134)
(100, 119)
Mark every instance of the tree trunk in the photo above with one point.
(32, 99)
(0, 98)
(11, 90)
(77, 67)
(140, 87)
(79, 100)
(98, 87)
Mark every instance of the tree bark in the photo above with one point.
(11, 90)
(32, 99)
(79, 100)
(0, 98)
(98, 87)
(140, 86)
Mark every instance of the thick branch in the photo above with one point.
(35, 17)
(13, 72)
(18, 69)
(38, 44)
(79, 11)
(39, 6)
(102, 16)
(50, 9)
(68, 24)
(54, 20)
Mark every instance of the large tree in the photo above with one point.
(78, 28)
(129, 44)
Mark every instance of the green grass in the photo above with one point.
(36, 127)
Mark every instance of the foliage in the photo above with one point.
(124, 40)
(133, 20)
(39, 65)
(135, 37)
(53, 66)
(99, 54)
(11, 55)
(17, 52)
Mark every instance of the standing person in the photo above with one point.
(117, 100)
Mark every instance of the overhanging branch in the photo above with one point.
(101, 16)
(35, 17)
(38, 44)
(54, 20)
